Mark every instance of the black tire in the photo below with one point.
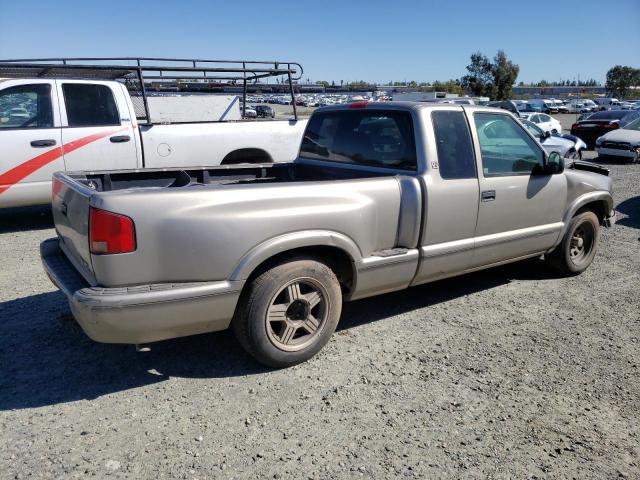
(263, 321)
(578, 247)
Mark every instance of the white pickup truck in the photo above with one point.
(50, 124)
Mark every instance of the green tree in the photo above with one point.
(620, 79)
(479, 79)
(505, 73)
(324, 83)
(490, 79)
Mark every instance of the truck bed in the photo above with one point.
(223, 175)
(193, 218)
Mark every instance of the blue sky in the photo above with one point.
(372, 40)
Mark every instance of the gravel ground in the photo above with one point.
(506, 373)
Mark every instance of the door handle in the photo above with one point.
(120, 139)
(43, 143)
(488, 196)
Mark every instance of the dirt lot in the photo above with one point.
(507, 373)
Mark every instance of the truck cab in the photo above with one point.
(63, 125)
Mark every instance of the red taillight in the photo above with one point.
(56, 186)
(611, 126)
(359, 104)
(110, 232)
(574, 126)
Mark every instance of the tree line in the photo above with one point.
(494, 78)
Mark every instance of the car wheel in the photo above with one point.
(578, 247)
(289, 312)
(636, 158)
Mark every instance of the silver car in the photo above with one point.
(568, 146)
(622, 143)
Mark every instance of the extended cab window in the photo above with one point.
(455, 153)
(90, 105)
(506, 149)
(366, 137)
(26, 106)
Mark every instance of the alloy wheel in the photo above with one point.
(297, 314)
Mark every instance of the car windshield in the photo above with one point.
(635, 125)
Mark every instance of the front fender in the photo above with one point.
(290, 241)
(581, 201)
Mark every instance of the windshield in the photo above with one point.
(366, 137)
(635, 125)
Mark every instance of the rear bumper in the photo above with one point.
(142, 313)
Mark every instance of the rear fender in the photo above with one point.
(291, 241)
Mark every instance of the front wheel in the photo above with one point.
(289, 313)
(578, 247)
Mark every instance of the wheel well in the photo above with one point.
(598, 207)
(247, 155)
(339, 261)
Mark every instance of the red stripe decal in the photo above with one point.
(18, 173)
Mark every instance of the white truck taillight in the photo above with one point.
(110, 232)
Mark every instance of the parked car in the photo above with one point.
(560, 106)
(568, 146)
(507, 105)
(622, 143)
(578, 106)
(600, 123)
(605, 103)
(371, 205)
(95, 123)
(544, 121)
(249, 111)
(264, 111)
(544, 106)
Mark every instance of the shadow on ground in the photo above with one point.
(630, 208)
(25, 218)
(46, 359)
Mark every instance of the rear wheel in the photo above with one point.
(578, 247)
(289, 313)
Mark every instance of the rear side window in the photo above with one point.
(453, 139)
(26, 106)
(364, 137)
(90, 105)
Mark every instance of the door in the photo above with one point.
(30, 142)
(97, 133)
(451, 197)
(521, 208)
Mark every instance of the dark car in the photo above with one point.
(265, 111)
(505, 105)
(596, 125)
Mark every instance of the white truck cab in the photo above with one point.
(70, 125)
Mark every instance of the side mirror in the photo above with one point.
(555, 164)
(547, 134)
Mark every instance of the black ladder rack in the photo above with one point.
(134, 71)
